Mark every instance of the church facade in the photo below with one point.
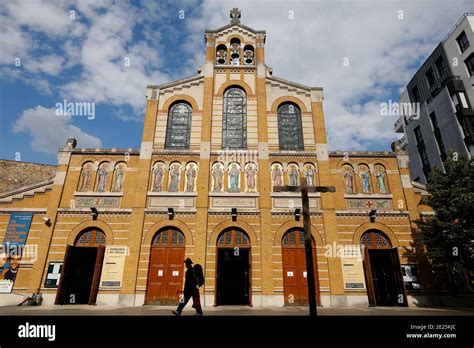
(114, 225)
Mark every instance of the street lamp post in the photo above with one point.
(304, 189)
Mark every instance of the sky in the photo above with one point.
(104, 53)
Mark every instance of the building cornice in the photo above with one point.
(273, 78)
(361, 154)
(169, 152)
(365, 213)
(239, 25)
(27, 191)
(293, 154)
(176, 82)
(112, 151)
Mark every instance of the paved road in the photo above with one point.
(229, 310)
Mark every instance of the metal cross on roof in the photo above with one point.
(235, 15)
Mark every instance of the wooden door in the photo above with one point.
(368, 278)
(295, 282)
(156, 279)
(166, 270)
(290, 280)
(61, 295)
(97, 272)
(174, 274)
(397, 270)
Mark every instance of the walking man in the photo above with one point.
(190, 288)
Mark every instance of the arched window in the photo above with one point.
(91, 238)
(234, 51)
(232, 238)
(248, 55)
(234, 119)
(169, 237)
(375, 239)
(221, 55)
(290, 132)
(295, 238)
(178, 129)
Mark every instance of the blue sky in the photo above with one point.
(107, 52)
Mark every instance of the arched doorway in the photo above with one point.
(233, 268)
(165, 273)
(295, 282)
(382, 270)
(82, 267)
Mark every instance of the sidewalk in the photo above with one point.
(229, 311)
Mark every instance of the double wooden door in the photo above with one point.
(295, 280)
(165, 275)
(80, 276)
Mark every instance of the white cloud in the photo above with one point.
(49, 132)
(50, 64)
(116, 69)
(50, 17)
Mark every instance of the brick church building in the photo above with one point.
(113, 226)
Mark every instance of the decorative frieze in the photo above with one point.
(382, 204)
(96, 201)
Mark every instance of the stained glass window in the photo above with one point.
(233, 237)
(91, 237)
(234, 119)
(294, 238)
(290, 132)
(375, 239)
(178, 130)
(169, 237)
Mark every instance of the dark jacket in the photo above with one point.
(190, 281)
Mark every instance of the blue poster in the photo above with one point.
(13, 243)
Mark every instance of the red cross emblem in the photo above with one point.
(369, 204)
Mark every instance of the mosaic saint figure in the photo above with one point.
(293, 174)
(118, 180)
(309, 175)
(175, 173)
(86, 177)
(158, 172)
(365, 179)
(250, 173)
(234, 175)
(191, 174)
(380, 175)
(277, 175)
(348, 179)
(103, 174)
(218, 176)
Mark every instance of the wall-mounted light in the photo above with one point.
(372, 215)
(95, 213)
(171, 213)
(234, 214)
(47, 221)
(297, 214)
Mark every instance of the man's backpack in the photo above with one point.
(199, 274)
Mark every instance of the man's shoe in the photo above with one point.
(198, 314)
(178, 314)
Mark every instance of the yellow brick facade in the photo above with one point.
(202, 215)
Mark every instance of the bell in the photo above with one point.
(235, 50)
(221, 56)
(235, 46)
(235, 55)
(248, 57)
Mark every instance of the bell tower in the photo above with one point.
(234, 44)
